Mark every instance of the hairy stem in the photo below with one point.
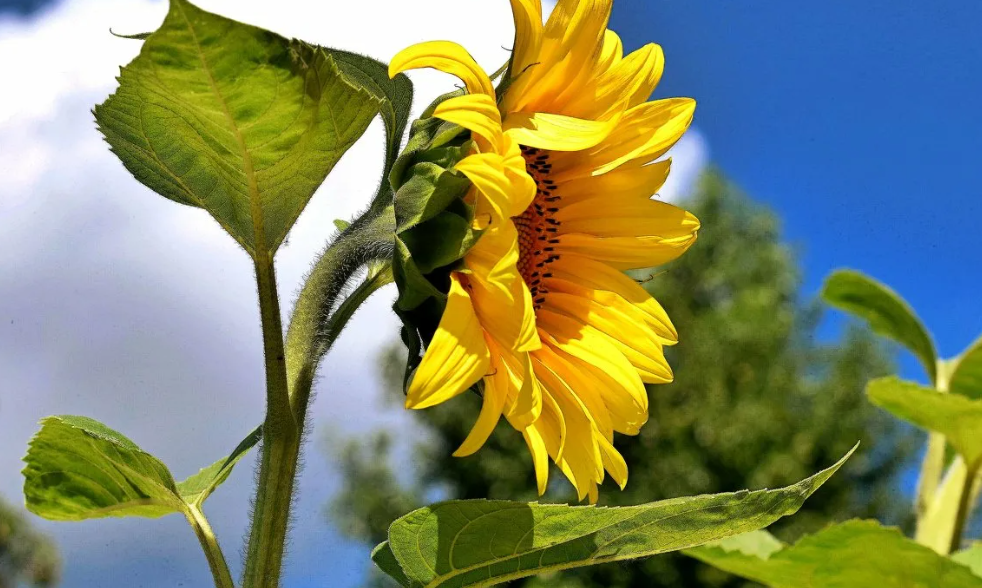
(317, 318)
(280, 448)
(209, 544)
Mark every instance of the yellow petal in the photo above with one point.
(625, 252)
(635, 218)
(477, 113)
(620, 86)
(575, 274)
(556, 132)
(594, 494)
(495, 393)
(627, 411)
(447, 57)
(640, 345)
(501, 298)
(486, 172)
(456, 357)
(591, 348)
(528, 33)
(579, 25)
(624, 183)
(582, 385)
(540, 457)
(614, 462)
(644, 133)
(526, 406)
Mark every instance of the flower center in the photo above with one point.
(537, 229)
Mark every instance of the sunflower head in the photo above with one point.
(518, 210)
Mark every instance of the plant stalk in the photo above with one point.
(209, 544)
(932, 468)
(280, 448)
(964, 508)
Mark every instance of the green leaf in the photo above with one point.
(971, 557)
(197, 488)
(956, 417)
(395, 96)
(233, 119)
(966, 372)
(78, 468)
(386, 561)
(885, 311)
(847, 555)
(481, 542)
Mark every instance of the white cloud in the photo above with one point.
(121, 305)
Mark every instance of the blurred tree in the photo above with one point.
(756, 403)
(25, 555)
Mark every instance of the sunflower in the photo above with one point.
(562, 167)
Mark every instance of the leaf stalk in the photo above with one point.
(209, 544)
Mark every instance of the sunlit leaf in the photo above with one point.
(197, 488)
(78, 468)
(481, 542)
(233, 119)
(885, 311)
(958, 418)
(971, 557)
(966, 375)
(849, 555)
(386, 561)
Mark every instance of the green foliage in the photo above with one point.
(481, 542)
(78, 468)
(958, 418)
(236, 120)
(196, 489)
(971, 557)
(886, 312)
(861, 553)
(26, 556)
(966, 372)
(756, 403)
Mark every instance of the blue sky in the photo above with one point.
(857, 124)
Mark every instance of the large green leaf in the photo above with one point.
(233, 119)
(854, 554)
(481, 542)
(197, 488)
(885, 311)
(77, 468)
(956, 417)
(966, 372)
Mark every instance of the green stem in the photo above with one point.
(280, 448)
(964, 508)
(317, 319)
(932, 468)
(209, 544)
